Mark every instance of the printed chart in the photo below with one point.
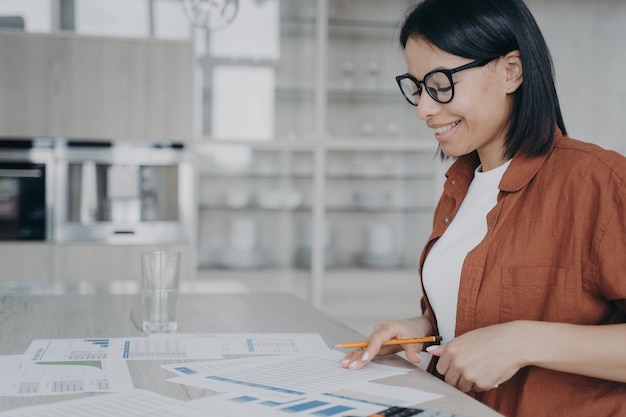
(55, 350)
(26, 378)
(263, 343)
(316, 406)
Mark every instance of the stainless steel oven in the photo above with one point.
(24, 192)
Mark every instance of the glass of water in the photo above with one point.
(160, 272)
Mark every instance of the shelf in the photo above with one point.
(389, 209)
(340, 93)
(383, 177)
(362, 24)
(224, 207)
(297, 20)
(335, 92)
(340, 23)
(296, 176)
(330, 209)
(334, 80)
(364, 93)
(356, 144)
(256, 175)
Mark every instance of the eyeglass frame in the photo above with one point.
(447, 72)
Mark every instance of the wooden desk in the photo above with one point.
(24, 318)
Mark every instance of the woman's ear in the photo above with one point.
(514, 75)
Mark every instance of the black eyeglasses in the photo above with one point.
(438, 83)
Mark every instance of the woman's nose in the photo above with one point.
(427, 107)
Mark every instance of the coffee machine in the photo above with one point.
(123, 192)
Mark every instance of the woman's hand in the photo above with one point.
(482, 359)
(395, 329)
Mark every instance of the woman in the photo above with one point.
(524, 274)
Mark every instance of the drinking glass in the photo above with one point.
(160, 271)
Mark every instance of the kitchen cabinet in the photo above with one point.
(32, 260)
(88, 263)
(132, 99)
(71, 263)
(63, 85)
(344, 186)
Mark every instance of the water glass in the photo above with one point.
(160, 272)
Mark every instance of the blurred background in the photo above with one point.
(264, 139)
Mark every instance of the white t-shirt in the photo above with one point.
(442, 268)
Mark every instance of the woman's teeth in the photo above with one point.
(446, 129)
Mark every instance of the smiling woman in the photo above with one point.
(529, 232)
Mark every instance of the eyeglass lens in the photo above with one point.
(437, 84)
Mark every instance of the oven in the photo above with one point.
(24, 192)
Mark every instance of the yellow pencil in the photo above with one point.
(427, 339)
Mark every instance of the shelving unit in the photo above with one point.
(343, 191)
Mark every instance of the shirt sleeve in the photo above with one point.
(611, 256)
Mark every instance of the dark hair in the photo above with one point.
(479, 29)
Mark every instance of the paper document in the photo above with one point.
(133, 403)
(372, 392)
(316, 405)
(293, 375)
(271, 344)
(216, 366)
(263, 343)
(122, 348)
(22, 378)
(363, 400)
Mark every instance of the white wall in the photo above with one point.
(587, 41)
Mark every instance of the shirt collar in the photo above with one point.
(521, 171)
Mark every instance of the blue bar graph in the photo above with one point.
(303, 407)
(99, 342)
(332, 411)
(255, 385)
(360, 400)
(271, 403)
(244, 399)
(185, 370)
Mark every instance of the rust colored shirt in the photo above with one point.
(555, 250)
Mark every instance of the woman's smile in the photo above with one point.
(443, 132)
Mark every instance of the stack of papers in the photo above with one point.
(69, 366)
(273, 375)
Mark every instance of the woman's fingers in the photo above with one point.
(393, 329)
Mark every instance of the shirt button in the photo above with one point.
(446, 220)
(453, 182)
